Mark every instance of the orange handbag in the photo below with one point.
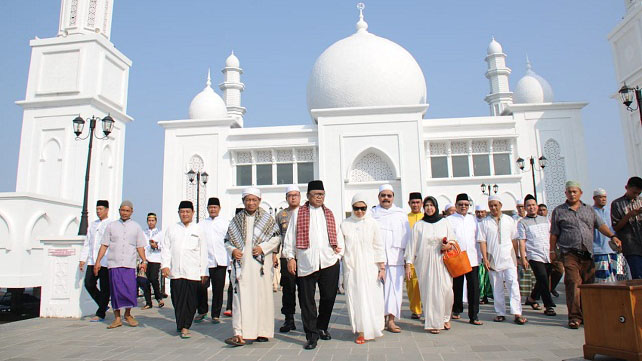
(456, 261)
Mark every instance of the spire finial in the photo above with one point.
(528, 63)
(361, 24)
(209, 79)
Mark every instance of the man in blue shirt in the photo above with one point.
(604, 256)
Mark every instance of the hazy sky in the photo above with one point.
(172, 44)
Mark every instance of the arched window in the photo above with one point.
(50, 176)
(554, 174)
(371, 167)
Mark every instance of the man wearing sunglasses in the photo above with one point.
(395, 233)
(465, 227)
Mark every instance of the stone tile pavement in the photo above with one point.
(542, 338)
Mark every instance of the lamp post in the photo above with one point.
(486, 189)
(626, 94)
(542, 162)
(200, 177)
(78, 125)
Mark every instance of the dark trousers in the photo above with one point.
(557, 271)
(184, 300)
(100, 296)
(578, 271)
(230, 292)
(217, 280)
(327, 279)
(635, 265)
(472, 288)
(288, 282)
(152, 273)
(541, 271)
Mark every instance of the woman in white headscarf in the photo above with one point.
(430, 238)
(363, 272)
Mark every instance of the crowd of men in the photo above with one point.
(584, 243)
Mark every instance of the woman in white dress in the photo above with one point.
(432, 236)
(363, 272)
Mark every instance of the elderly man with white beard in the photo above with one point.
(395, 233)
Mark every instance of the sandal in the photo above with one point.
(447, 326)
(434, 331)
(415, 316)
(235, 341)
(533, 305)
(161, 304)
(186, 334)
(395, 329)
(520, 320)
(550, 312)
(116, 323)
(476, 322)
(455, 316)
(360, 340)
(499, 319)
(574, 324)
(146, 307)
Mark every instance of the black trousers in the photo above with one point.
(542, 271)
(230, 292)
(327, 279)
(288, 282)
(152, 273)
(217, 280)
(184, 300)
(100, 296)
(472, 288)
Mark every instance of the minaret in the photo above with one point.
(232, 88)
(85, 16)
(77, 72)
(497, 74)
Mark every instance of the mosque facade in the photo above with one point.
(369, 125)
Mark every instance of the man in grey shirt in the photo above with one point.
(125, 240)
(626, 217)
(572, 226)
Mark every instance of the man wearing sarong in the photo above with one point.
(184, 261)
(251, 238)
(125, 239)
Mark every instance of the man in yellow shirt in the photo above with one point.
(412, 286)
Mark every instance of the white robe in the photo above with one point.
(435, 283)
(253, 301)
(395, 232)
(364, 291)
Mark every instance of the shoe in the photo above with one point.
(415, 316)
(131, 321)
(161, 304)
(288, 325)
(235, 341)
(554, 293)
(310, 345)
(262, 339)
(216, 320)
(199, 318)
(324, 335)
(227, 313)
(146, 307)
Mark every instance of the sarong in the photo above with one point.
(606, 266)
(184, 300)
(485, 286)
(123, 288)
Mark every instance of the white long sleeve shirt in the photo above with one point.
(91, 246)
(465, 229)
(320, 254)
(395, 232)
(184, 252)
(153, 254)
(215, 231)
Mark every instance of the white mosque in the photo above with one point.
(369, 125)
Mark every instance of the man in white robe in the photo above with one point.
(395, 233)
(497, 237)
(184, 262)
(251, 238)
(313, 248)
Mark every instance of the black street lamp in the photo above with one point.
(486, 189)
(200, 177)
(626, 94)
(542, 162)
(78, 125)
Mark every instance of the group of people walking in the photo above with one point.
(377, 249)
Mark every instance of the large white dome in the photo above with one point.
(532, 89)
(365, 70)
(207, 104)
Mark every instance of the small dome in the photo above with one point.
(532, 89)
(494, 47)
(365, 70)
(232, 61)
(207, 104)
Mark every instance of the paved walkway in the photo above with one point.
(542, 338)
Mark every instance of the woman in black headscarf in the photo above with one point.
(430, 238)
